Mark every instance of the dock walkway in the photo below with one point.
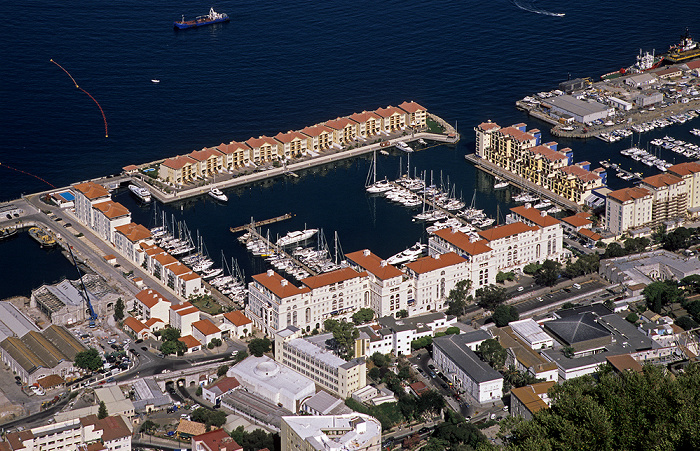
(261, 223)
(255, 235)
(520, 182)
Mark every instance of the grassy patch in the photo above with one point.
(434, 127)
(207, 305)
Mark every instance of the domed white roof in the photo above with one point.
(267, 368)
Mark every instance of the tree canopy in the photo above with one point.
(344, 334)
(490, 296)
(585, 264)
(255, 440)
(548, 273)
(119, 310)
(102, 411)
(457, 297)
(503, 314)
(364, 315)
(659, 294)
(173, 347)
(492, 352)
(169, 334)
(259, 346)
(633, 411)
(215, 418)
(89, 360)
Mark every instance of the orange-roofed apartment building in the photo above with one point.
(292, 144)
(236, 154)
(369, 123)
(205, 331)
(521, 153)
(433, 277)
(86, 195)
(669, 198)
(392, 118)
(518, 244)
(182, 316)
(263, 149)
(344, 130)
(481, 268)
(628, 208)
(319, 139)
(274, 303)
(690, 173)
(151, 304)
(209, 161)
(178, 170)
(128, 239)
(416, 115)
(390, 289)
(107, 216)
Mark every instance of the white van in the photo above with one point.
(577, 286)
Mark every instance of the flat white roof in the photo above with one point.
(530, 331)
(271, 376)
(362, 431)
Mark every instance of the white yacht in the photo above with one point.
(403, 146)
(409, 255)
(217, 194)
(142, 193)
(296, 236)
(500, 184)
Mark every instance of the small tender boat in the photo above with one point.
(403, 146)
(155, 80)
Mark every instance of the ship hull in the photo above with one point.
(195, 24)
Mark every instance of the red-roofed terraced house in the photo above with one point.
(178, 170)
(293, 144)
(263, 149)
(392, 118)
(369, 123)
(390, 290)
(236, 154)
(433, 278)
(205, 331)
(344, 130)
(416, 115)
(274, 303)
(86, 195)
(209, 161)
(237, 324)
(319, 139)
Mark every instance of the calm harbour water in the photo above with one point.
(281, 66)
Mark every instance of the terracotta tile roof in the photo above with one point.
(16, 438)
(427, 264)
(627, 194)
(661, 180)
(529, 395)
(682, 169)
(257, 142)
(150, 297)
(329, 278)
(217, 440)
(190, 276)
(130, 168)
(547, 153)
(373, 264)
(316, 130)
(50, 381)
(577, 220)
(411, 107)
(340, 123)
(226, 384)
(152, 322)
(92, 190)
(134, 232)
(190, 342)
(462, 242)
(364, 116)
(112, 428)
(485, 126)
(112, 209)
(389, 111)
(419, 387)
(693, 64)
(535, 216)
(109, 257)
(278, 285)
(580, 173)
(178, 269)
(135, 325)
(178, 162)
(237, 318)
(232, 147)
(165, 259)
(503, 231)
(590, 234)
(289, 137)
(516, 134)
(205, 154)
(206, 327)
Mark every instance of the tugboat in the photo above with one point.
(684, 50)
(43, 237)
(210, 19)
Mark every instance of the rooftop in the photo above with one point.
(333, 277)
(661, 180)
(411, 107)
(462, 241)
(427, 264)
(348, 432)
(92, 190)
(374, 264)
(206, 327)
(178, 162)
(237, 318)
(278, 285)
(271, 377)
(506, 230)
(455, 347)
(112, 209)
(628, 194)
(534, 215)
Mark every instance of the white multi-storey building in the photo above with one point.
(309, 357)
(128, 239)
(86, 196)
(433, 278)
(107, 216)
(349, 432)
(274, 303)
(481, 267)
(151, 304)
(390, 289)
(182, 316)
(628, 208)
(690, 173)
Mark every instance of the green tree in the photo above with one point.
(514, 378)
(632, 318)
(403, 313)
(344, 334)
(89, 360)
(457, 297)
(222, 370)
(199, 390)
(259, 346)
(692, 283)
(454, 330)
(492, 352)
(456, 433)
(548, 273)
(173, 347)
(255, 440)
(677, 239)
(686, 323)
(119, 310)
(490, 296)
(375, 373)
(422, 342)
(531, 268)
(380, 360)
(364, 315)
(240, 356)
(585, 264)
(501, 277)
(149, 427)
(659, 294)
(504, 314)
(102, 411)
(169, 334)
(614, 250)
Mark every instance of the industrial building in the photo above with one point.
(581, 111)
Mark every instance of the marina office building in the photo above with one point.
(521, 153)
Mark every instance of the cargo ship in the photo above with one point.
(684, 50)
(210, 19)
(644, 63)
(43, 237)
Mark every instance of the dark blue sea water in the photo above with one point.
(285, 65)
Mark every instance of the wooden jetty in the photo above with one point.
(255, 235)
(254, 224)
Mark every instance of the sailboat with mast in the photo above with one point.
(375, 186)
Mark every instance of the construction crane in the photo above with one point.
(93, 315)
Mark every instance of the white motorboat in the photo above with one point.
(155, 80)
(379, 187)
(502, 184)
(403, 146)
(296, 236)
(408, 255)
(211, 273)
(217, 194)
(142, 193)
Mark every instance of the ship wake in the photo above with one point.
(530, 6)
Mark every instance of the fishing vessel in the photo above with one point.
(142, 193)
(200, 21)
(645, 62)
(296, 236)
(42, 236)
(217, 194)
